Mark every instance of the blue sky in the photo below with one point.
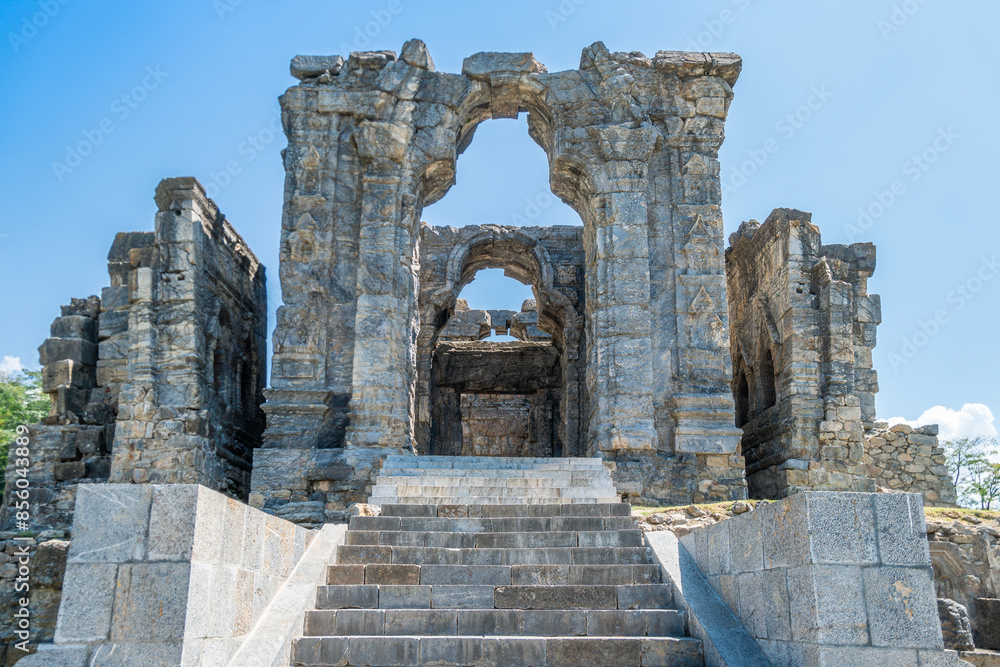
(878, 116)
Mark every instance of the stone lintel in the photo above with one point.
(479, 66)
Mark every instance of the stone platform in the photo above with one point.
(492, 480)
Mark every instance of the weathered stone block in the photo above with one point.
(479, 66)
(88, 595)
(304, 67)
(902, 607)
(987, 628)
(78, 350)
(151, 602)
(902, 529)
(842, 528)
(827, 605)
(110, 523)
(172, 523)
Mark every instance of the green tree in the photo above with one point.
(985, 483)
(21, 402)
(970, 461)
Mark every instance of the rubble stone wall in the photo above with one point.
(905, 459)
(803, 329)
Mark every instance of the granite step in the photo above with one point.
(570, 481)
(488, 651)
(491, 462)
(496, 524)
(508, 473)
(535, 494)
(511, 510)
(349, 554)
(491, 561)
(474, 500)
(509, 539)
(499, 622)
(404, 596)
(492, 575)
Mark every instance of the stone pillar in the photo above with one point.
(381, 407)
(619, 372)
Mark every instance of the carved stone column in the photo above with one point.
(619, 372)
(381, 407)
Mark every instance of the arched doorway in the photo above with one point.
(513, 398)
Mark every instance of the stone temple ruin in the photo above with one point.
(653, 366)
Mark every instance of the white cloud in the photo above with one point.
(10, 365)
(972, 420)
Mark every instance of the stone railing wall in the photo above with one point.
(906, 459)
(167, 574)
(828, 578)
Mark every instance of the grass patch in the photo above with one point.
(960, 514)
(717, 508)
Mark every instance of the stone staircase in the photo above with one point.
(503, 563)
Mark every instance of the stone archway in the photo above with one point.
(632, 144)
(536, 382)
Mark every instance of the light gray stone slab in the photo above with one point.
(827, 605)
(902, 529)
(125, 654)
(725, 640)
(66, 655)
(269, 643)
(842, 528)
(172, 522)
(88, 596)
(902, 608)
(110, 523)
(746, 542)
(776, 608)
(150, 602)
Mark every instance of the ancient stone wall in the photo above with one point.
(502, 425)
(803, 329)
(902, 458)
(160, 378)
(197, 322)
(966, 559)
(46, 555)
